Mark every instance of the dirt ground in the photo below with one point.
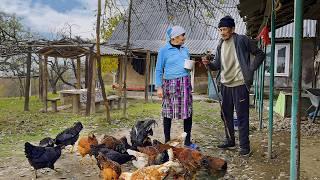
(207, 136)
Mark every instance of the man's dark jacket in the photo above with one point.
(244, 47)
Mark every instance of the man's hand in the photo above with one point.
(160, 92)
(205, 60)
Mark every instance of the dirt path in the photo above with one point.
(207, 136)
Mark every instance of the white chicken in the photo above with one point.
(141, 158)
(154, 172)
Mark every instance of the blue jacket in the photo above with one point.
(170, 63)
(244, 47)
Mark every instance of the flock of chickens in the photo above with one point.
(153, 159)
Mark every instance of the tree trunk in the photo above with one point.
(99, 64)
(27, 89)
(126, 62)
(89, 85)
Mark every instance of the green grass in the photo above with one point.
(18, 126)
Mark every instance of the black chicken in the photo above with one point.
(140, 132)
(42, 157)
(125, 142)
(109, 153)
(47, 142)
(69, 136)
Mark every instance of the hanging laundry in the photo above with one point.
(139, 65)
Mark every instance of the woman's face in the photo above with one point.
(179, 40)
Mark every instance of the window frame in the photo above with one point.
(287, 60)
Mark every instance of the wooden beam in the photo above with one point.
(78, 73)
(146, 75)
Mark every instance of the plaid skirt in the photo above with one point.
(177, 98)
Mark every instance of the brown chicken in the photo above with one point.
(155, 156)
(113, 143)
(154, 172)
(110, 170)
(190, 159)
(84, 145)
(214, 165)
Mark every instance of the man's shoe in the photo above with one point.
(245, 152)
(227, 145)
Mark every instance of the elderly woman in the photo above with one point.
(173, 83)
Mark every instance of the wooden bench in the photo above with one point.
(113, 100)
(54, 103)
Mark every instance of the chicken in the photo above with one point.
(154, 172)
(190, 159)
(84, 144)
(178, 142)
(47, 142)
(69, 136)
(125, 142)
(160, 146)
(110, 170)
(155, 157)
(140, 132)
(42, 157)
(142, 160)
(110, 154)
(113, 143)
(214, 165)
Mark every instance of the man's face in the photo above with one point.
(226, 32)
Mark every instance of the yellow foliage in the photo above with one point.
(109, 64)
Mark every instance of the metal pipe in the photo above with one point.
(271, 84)
(255, 88)
(296, 93)
(258, 91)
(261, 95)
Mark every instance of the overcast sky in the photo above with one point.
(47, 16)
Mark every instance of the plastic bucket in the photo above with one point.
(189, 64)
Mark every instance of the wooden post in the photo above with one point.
(89, 85)
(146, 75)
(93, 87)
(45, 78)
(27, 88)
(78, 73)
(86, 70)
(40, 77)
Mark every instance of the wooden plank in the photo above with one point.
(78, 73)
(146, 75)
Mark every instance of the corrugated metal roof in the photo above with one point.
(287, 31)
(105, 50)
(149, 25)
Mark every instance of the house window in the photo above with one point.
(281, 61)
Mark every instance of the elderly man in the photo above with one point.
(232, 58)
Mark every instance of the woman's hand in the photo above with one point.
(160, 92)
